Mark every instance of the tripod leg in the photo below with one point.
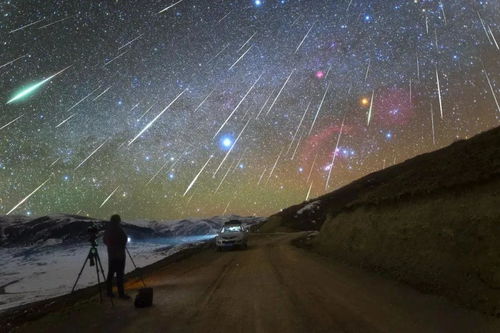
(140, 272)
(79, 274)
(100, 265)
(98, 259)
(98, 278)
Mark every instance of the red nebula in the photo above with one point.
(319, 74)
(325, 139)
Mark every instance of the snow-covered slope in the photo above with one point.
(41, 257)
(70, 229)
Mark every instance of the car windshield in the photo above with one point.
(232, 228)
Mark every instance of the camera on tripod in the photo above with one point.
(93, 230)
(93, 258)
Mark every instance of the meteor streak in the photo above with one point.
(279, 93)
(370, 110)
(492, 91)
(118, 56)
(484, 27)
(223, 178)
(298, 127)
(77, 103)
(265, 103)
(156, 174)
(105, 91)
(410, 91)
(312, 167)
(418, 69)
(248, 40)
(32, 88)
(12, 61)
(28, 196)
(52, 23)
(319, 108)
(197, 175)
(218, 53)
(368, 69)
(295, 21)
(135, 106)
(309, 191)
(53, 163)
(65, 120)
(229, 12)
(305, 36)
(172, 5)
(156, 118)
(432, 126)
(109, 197)
(145, 113)
(348, 6)
(241, 57)
(227, 206)
(328, 71)
(204, 100)
(95, 151)
(10, 122)
(493, 36)
(237, 106)
(442, 10)
(274, 166)
(334, 155)
(130, 42)
(25, 26)
(261, 176)
(439, 93)
(296, 147)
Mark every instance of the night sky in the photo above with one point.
(168, 109)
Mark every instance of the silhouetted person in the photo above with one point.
(116, 240)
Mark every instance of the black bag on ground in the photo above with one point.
(144, 298)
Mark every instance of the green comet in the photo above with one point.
(28, 90)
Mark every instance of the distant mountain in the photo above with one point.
(42, 256)
(69, 229)
(462, 163)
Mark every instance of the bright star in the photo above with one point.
(225, 142)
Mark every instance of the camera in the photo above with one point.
(92, 231)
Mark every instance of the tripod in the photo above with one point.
(140, 272)
(95, 260)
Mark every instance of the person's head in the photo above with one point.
(115, 219)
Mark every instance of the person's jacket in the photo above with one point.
(116, 240)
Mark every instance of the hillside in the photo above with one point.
(431, 222)
(459, 165)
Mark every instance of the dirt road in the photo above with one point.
(271, 287)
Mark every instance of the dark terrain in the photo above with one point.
(412, 248)
(271, 287)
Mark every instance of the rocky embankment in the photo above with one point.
(432, 222)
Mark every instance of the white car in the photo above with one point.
(232, 234)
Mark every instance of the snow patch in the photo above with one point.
(313, 206)
(40, 257)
